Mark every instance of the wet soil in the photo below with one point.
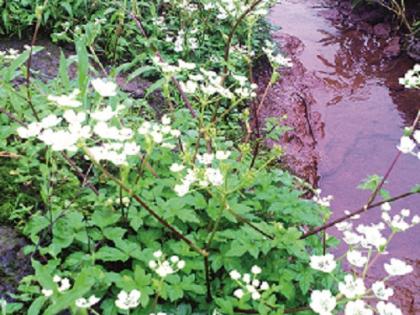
(346, 68)
(13, 263)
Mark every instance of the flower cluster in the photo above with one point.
(325, 263)
(412, 78)
(165, 267)
(408, 145)
(127, 300)
(208, 82)
(76, 127)
(9, 55)
(63, 284)
(362, 241)
(322, 201)
(87, 303)
(204, 173)
(276, 60)
(249, 283)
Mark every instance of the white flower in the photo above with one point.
(145, 128)
(264, 286)
(175, 133)
(357, 307)
(104, 87)
(50, 121)
(125, 201)
(126, 300)
(351, 287)
(397, 267)
(174, 259)
(222, 155)
(399, 223)
(190, 87)
(180, 264)
(380, 291)
(255, 295)
(156, 136)
(416, 136)
(205, 159)
(60, 140)
(47, 292)
(322, 302)
(344, 226)
(246, 278)
(153, 264)
(182, 189)
(256, 270)
(165, 120)
(239, 293)
(388, 309)
(406, 145)
(31, 130)
(56, 278)
(415, 220)
(214, 176)
(65, 285)
(65, 100)
(158, 254)
(164, 269)
(186, 65)
(175, 167)
(104, 114)
(323, 263)
(386, 206)
(191, 177)
(372, 236)
(405, 212)
(83, 303)
(131, 148)
(74, 118)
(356, 258)
(235, 275)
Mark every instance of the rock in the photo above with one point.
(382, 30)
(413, 48)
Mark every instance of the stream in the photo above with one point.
(351, 78)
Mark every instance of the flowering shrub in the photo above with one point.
(135, 213)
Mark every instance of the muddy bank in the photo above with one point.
(347, 65)
(291, 99)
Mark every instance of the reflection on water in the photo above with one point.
(364, 109)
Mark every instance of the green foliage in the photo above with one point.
(100, 224)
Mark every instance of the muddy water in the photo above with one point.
(351, 79)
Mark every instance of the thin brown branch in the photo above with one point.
(146, 206)
(356, 212)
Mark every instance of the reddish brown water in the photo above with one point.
(355, 89)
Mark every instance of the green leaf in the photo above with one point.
(140, 71)
(82, 67)
(63, 71)
(156, 85)
(82, 285)
(36, 305)
(107, 253)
